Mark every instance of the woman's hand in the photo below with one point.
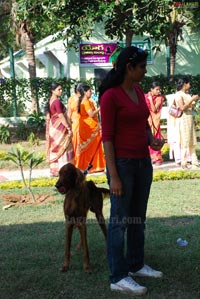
(70, 134)
(93, 113)
(115, 186)
(150, 96)
(195, 97)
(157, 144)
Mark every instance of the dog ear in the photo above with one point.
(79, 177)
(72, 177)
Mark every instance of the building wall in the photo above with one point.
(53, 60)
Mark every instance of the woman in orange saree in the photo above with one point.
(155, 101)
(59, 148)
(72, 112)
(89, 143)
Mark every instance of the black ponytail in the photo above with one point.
(82, 89)
(54, 85)
(132, 55)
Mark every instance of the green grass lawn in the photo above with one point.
(33, 239)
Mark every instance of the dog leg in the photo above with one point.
(101, 220)
(69, 230)
(86, 260)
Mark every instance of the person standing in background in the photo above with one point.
(126, 136)
(89, 140)
(59, 148)
(185, 123)
(154, 101)
(74, 116)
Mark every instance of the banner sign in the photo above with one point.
(145, 45)
(96, 54)
(101, 53)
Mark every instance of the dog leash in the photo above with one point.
(85, 172)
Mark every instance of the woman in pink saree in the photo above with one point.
(155, 101)
(59, 148)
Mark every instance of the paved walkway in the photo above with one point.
(13, 175)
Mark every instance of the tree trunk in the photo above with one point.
(129, 36)
(24, 38)
(172, 62)
(173, 37)
(30, 53)
(174, 33)
(29, 47)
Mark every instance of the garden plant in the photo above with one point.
(22, 157)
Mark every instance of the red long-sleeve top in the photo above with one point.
(125, 122)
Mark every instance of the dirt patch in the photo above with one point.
(21, 199)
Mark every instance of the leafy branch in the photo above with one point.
(21, 158)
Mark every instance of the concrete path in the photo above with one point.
(13, 175)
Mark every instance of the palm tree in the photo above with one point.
(172, 37)
(24, 37)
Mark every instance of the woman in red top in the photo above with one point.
(126, 136)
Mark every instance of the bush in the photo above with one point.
(36, 120)
(5, 134)
(159, 175)
(22, 89)
(42, 89)
(168, 85)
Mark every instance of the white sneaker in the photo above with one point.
(128, 285)
(147, 271)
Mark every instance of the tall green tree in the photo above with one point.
(6, 32)
(162, 20)
(171, 36)
(171, 32)
(74, 21)
(128, 18)
(31, 24)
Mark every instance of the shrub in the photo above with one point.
(41, 87)
(2, 155)
(22, 131)
(33, 139)
(5, 134)
(22, 157)
(158, 175)
(36, 121)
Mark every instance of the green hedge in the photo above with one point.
(158, 175)
(168, 85)
(41, 87)
(22, 89)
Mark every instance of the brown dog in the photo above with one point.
(80, 197)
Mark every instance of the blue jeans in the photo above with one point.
(127, 217)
